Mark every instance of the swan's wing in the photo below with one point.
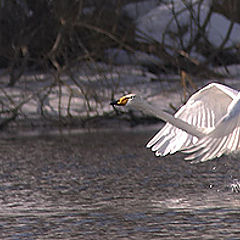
(225, 138)
(203, 109)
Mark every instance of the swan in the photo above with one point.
(206, 127)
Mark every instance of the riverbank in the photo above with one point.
(37, 101)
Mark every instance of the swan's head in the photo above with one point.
(134, 102)
(126, 100)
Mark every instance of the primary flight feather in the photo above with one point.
(206, 127)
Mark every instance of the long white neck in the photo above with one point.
(149, 109)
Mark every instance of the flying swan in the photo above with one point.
(206, 127)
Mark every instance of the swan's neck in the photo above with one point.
(150, 110)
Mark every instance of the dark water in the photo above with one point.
(108, 186)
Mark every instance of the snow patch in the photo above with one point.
(160, 24)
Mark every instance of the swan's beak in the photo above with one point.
(114, 102)
(121, 102)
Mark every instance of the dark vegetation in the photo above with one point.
(56, 35)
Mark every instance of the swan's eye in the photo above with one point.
(132, 97)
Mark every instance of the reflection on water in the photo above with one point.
(108, 186)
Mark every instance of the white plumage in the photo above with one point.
(207, 126)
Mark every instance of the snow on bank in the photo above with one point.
(86, 93)
(176, 24)
(164, 21)
(44, 99)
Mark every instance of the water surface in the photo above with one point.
(106, 185)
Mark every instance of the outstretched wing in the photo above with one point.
(225, 138)
(203, 110)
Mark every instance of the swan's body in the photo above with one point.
(207, 126)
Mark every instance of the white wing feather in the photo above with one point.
(223, 139)
(204, 109)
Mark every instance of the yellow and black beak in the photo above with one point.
(121, 102)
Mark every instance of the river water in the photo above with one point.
(106, 185)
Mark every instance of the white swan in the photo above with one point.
(207, 126)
